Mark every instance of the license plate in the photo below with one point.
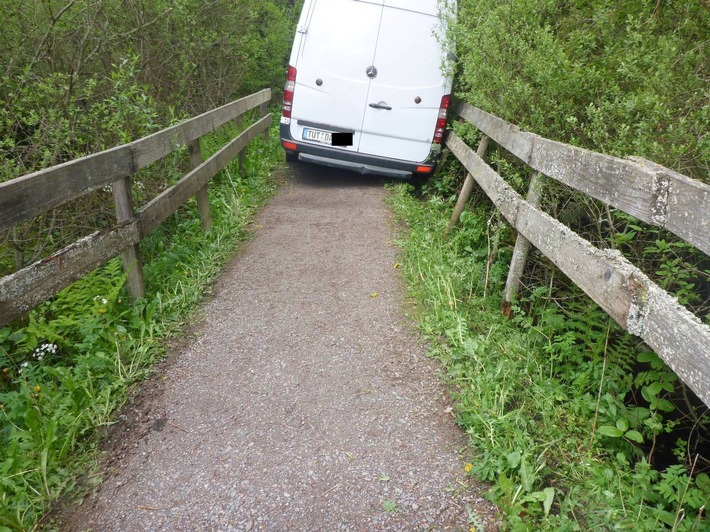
(324, 137)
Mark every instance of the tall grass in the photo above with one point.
(545, 397)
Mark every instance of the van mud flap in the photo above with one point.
(365, 169)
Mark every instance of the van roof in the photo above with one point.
(427, 7)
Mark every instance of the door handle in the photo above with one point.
(381, 105)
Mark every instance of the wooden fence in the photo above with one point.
(650, 192)
(28, 196)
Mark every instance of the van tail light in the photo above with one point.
(441, 119)
(289, 145)
(288, 91)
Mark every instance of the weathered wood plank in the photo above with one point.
(621, 289)
(502, 194)
(149, 149)
(554, 238)
(628, 296)
(162, 206)
(677, 336)
(685, 209)
(263, 111)
(30, 195)
(25, 289)
(650, 192)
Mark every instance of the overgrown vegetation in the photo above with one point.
(578, 425)
(566, 411)
(79, 76)
(76, 77)
(620, 77)
(71, 365)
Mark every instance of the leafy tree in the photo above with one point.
(79, 76)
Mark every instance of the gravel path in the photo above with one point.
(304, 400)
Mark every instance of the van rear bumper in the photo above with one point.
(359, 167)
(347, 160)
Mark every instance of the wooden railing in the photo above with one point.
(650, 192)
(28, 196)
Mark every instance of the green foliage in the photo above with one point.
(65, 372)
(390, 506)
(82, 76)
(623, 78)
(563, 407)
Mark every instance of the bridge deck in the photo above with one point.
(304, 400)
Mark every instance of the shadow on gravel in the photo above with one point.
(313, 175)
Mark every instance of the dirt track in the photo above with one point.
(304, 401)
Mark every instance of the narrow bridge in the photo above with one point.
(294, 405)
(303, 401)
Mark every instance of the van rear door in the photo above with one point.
(408, 61)
(340, 35)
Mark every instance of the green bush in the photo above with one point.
(97, 74)
(621, 78)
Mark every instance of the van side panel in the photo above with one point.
(408, 61)
(337, 47)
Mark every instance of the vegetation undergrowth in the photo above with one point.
(82, 76)
(565, 410)
(71, 364)
(578, 424)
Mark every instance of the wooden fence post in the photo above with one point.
(522, 248)
(123, 201)
(202, 196)
(263, 111)
(242, 154)
(466, 189)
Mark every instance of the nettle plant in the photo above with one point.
(647, 434)
(61, 374)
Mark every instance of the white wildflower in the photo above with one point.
(43, 350)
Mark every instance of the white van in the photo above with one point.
(366, 89)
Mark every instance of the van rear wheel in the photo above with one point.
(291, 156)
